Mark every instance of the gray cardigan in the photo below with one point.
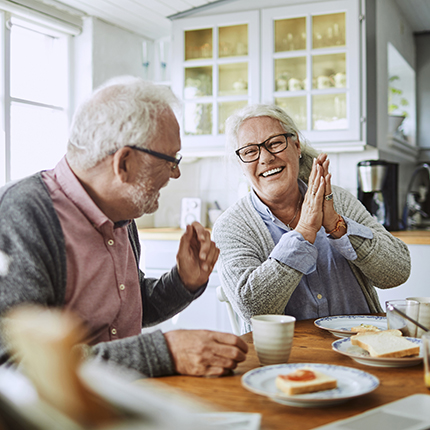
(33, 269)
(256, 284)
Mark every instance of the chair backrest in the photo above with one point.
(232, 316)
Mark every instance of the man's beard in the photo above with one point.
(143, 198)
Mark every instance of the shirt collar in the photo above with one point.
(74, 190)
(263, 209)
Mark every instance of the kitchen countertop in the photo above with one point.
(165, 233)
(413, 237)
(410, 237)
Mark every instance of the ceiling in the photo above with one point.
(146, 17)
(150, 17)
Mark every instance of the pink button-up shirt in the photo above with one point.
(102, 275)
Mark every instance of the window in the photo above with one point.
(36, 108)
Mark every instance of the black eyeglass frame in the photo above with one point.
(259, 145)
(169, 158)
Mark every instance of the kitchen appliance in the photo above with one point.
(416, 213)
(377, 190)
(191, 210)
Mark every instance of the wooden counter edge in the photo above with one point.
(164, 233)
(410, 237)
(413, 237)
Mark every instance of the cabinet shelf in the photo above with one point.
(223, 81)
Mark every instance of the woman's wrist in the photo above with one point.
(308, 234)
(336, 229)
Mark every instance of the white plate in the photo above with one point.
(345, 347)
(340, 326)
(351, 383)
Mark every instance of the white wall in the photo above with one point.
(423, 93)
(103, 51)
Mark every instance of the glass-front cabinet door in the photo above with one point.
(215, 71)
(311, 68)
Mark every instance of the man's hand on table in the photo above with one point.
(204, 352)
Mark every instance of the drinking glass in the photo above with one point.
(426, 355)
(396, 321)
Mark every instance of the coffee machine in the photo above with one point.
(377, 190)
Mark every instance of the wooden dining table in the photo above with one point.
(310, 345)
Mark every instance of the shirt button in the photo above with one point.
(110, 242)
(122, 287)
(113, 331)
(319, 296)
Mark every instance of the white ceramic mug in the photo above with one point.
(424, 313)
(339, 80)
(324, 82)
(273, 337)
(294, 84)
(282, 84)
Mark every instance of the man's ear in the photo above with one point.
(122, 164)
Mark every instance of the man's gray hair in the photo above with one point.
(123, 111)
(234, 122)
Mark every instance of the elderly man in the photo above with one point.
(68, 239)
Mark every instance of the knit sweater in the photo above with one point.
(256, 284)
(33, 269)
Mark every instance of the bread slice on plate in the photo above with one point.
(385, 344)
(365, 328)
(305, 380)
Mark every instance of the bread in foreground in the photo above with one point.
(365, 328)
(386, 344)
(305, 380)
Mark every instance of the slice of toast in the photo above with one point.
(392, 331)
(365, 328)
(386, 344)
(321, 382)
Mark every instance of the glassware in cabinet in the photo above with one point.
(214, 84)
(197, 119)
(310, 57)
(233, 41)
(233, 79)
(328, 30)
(290, 34)
(198, 44)
(225, 109)
(290, 74)
(198, 82)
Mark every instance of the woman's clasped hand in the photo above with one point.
(318, 209)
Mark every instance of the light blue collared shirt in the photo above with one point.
(328, 286)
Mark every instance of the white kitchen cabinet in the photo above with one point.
(215, 71)
(311, 58)
(325, 62)
(310, 65)
(206, 312)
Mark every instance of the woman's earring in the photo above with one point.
(300, 156)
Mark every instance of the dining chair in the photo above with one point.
(232, 316)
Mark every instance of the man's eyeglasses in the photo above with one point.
(175, 160)
(273, 144)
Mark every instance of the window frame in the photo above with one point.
(5, 84)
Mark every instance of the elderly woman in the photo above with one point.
(296, 244)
